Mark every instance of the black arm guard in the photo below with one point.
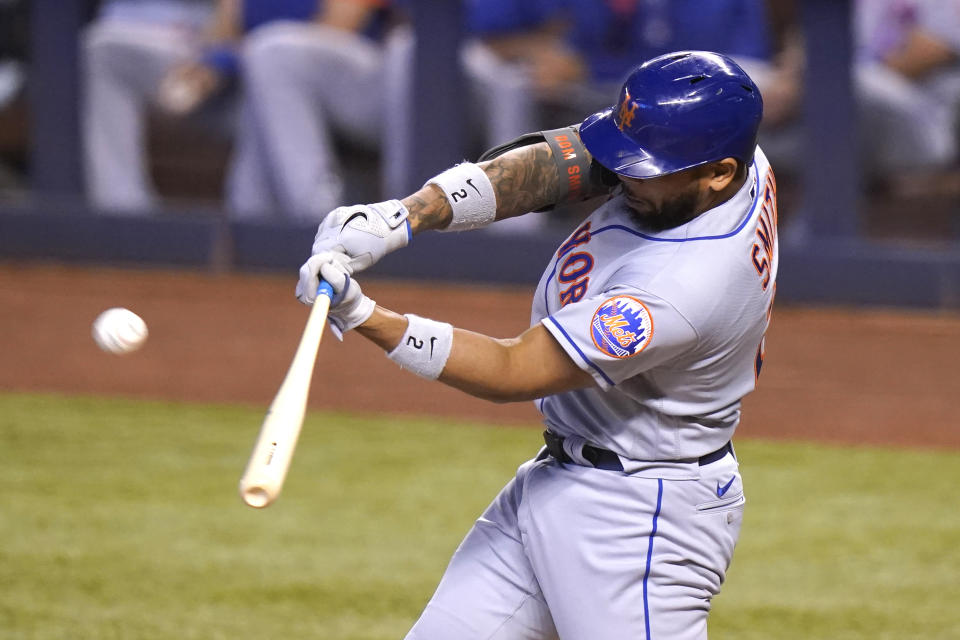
(581, 176)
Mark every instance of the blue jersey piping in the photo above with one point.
(582, 354)
(616, 227)
(646, 574)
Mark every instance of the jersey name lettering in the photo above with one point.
(576, 266)
(572, 275)
(762, 251)
(569, 152)
(761, 254)
(580, 236)
(566, 147)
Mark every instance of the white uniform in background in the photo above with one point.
(499, 98)
(908, 124)
(124, 55)
(303, 82)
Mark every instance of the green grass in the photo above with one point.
(845, 542)
(120, 519)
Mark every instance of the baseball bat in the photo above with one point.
(263, 478)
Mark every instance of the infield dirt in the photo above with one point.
(846, 376)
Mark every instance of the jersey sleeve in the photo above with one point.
(620, 334)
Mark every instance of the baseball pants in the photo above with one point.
(578, 553)
(500, 100)
(302, 81)
(123, 63)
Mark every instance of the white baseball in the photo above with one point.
(119, 331)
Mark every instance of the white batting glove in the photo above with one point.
(310, 274)
(364, 232)
(349, 308)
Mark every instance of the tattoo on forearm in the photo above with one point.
(524, 180)
(428, 209)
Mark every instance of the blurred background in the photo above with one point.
(217, 133)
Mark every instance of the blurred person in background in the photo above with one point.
(177, 55)
(906, 79)
(304, 81)
(908, 83)
(129, 52)
(580, 50)
(532, 64)
(500, 104)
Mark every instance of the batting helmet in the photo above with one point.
(677, 111)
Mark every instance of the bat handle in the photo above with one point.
(325, 289)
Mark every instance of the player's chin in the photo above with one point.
(641, 208)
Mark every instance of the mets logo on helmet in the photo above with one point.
(622, 326)
(627, 112)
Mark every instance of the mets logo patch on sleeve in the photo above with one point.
(622, 327)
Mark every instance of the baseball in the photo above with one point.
(119, 331)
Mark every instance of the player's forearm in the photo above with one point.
(523, 180)
(488, 368)
(384, 328)
(922, 54)
(224, 26)
(469, 374)
(346, 15)
(499, 370)
(525, 45)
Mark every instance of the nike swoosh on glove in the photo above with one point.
(364, 232)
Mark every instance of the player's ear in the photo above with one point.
(721, 173)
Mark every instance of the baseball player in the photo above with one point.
(647, 330)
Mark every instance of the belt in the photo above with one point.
(608, 460)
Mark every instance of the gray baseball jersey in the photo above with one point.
(670, 324)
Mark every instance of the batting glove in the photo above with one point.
(364, 232)
(349, 308)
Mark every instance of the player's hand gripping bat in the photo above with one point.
(263, 478)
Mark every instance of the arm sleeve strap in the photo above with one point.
(581, 176)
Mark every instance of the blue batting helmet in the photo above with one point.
(677, 111)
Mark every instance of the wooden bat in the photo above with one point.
(263, 478)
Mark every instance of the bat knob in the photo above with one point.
(256, 497)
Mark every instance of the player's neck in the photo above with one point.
(717, 198)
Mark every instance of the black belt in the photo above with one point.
(608, 460)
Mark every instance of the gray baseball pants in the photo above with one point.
(578, 553)
(122, 65)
